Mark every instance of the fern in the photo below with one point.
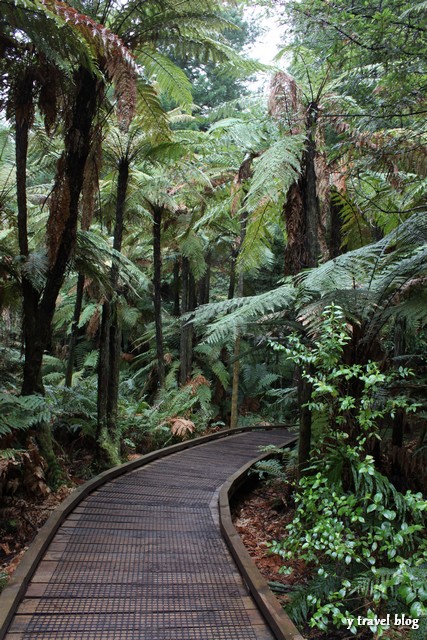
(22, 412)
(238, 313)
(192, 247)
(210, 355)
(170, 78)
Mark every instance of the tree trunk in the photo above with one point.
(187, 331)
(74, 330)
(62, 224)
(305, 422)
(335, 234)
(302, 218)
(23, 115)
(103, 370)
(175, 286)
(398, 431)
(302, 210)
(38, 309)
(204, 283)
(115, 333)
(157, 283)
(236, 368)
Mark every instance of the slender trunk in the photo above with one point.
(157, 282)
(115, 333)
(74, 330)
(232, 281)
(24, 110)
(305, 424)
(186, 329)
(236, 356)
(176, 306)
(204, 283)
(245, 172)
(103, 369)
(398, 430)
(310, 199)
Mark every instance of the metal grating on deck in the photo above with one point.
(142, 558)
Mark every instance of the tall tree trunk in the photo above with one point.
(175, 286)
(115, 337)
(103, 370)
(157, 283)
(204, 282)
(62, 223)
(38, 309)
(302, 218)
(187, 331)
(74, 330)
(302, 210)
(305, 424)
(245, 172)
(398, 431)
(30, 295)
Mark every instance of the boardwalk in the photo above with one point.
(142, 557)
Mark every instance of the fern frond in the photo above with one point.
(170, 78)
(236, 314)
(22, 412)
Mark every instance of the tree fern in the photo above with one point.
(238, 313)
(51, 33)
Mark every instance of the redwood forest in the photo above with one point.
(213, 215)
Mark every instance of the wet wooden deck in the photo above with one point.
(142, 557)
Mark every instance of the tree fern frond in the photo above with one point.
(192, 247)
(170, 78)
(93, 257)
(35, 269)
(51, 33)
(275, 170)
(88, 312)
(236, 314)
(150, 113)
(22, 412)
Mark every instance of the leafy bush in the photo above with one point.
(367, 545)
(363, 539)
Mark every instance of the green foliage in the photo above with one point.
(334, 383)
(239, 313)
(351, 525)
(191, 401)
(275, 467)
(22, 412)
(367, 545)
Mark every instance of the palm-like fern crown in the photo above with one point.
(372, 285)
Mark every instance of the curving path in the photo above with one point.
(142, 557)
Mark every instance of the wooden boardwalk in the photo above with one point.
(142, 557)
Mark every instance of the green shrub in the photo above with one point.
(363, 539)
(367, 546)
